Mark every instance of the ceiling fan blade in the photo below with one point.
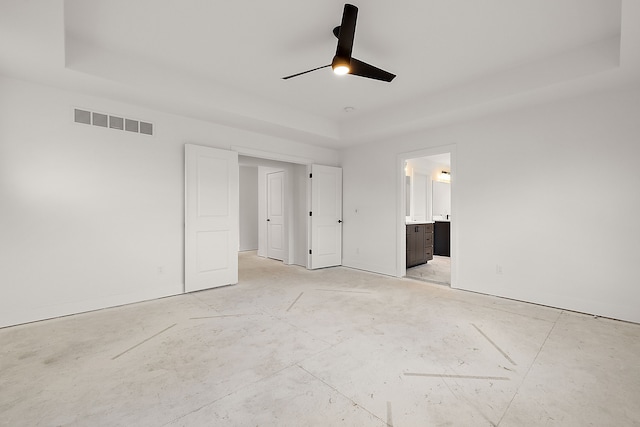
(362, 69)
(305, 72)
(347, 31)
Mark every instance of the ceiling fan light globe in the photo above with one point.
(340, 65)
(341, 70)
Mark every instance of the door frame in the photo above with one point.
(290, 257)
(401, 238)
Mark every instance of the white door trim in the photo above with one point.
(269, 155)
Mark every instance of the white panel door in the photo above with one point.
(211, 217)
(326, 216)
(275, 215)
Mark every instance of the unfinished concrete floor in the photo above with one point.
(291, 347)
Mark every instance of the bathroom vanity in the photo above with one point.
(442, 238)
(419, 243)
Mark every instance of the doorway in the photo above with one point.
(273, 203)
(426, 220)
(212, 186)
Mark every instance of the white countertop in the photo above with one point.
(426, 222)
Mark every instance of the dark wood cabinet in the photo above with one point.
(442, 238)
(419, 244)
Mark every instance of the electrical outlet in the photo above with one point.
(160, 270)
(498, 269)
(357, 251)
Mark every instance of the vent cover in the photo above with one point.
(100, 120)
(131, 125)
(113, 122)
(116, 122)
(146, 128)
(82, 116)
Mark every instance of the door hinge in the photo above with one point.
(310, 175)
(309, 251)
(310, 213)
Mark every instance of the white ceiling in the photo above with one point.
(438, 159)
(223, 61)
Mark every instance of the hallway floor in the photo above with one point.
(291, 347)
(437, 270)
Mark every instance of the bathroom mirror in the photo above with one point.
(441, 200)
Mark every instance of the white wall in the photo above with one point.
(93, 217)
(248, 208)
(530, 187)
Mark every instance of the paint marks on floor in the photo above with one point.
(144, 341)
(343, 290)
(506, 356)
(221, 315)
(389, 415)
(464, 377)
(295, 301)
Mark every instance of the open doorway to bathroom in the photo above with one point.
(428, 217)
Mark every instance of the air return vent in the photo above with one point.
(99, 120)
(116, 122)
(82, 116)
(113, 122)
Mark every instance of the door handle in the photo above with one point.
(339, 221)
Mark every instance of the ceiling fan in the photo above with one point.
(343, 62)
